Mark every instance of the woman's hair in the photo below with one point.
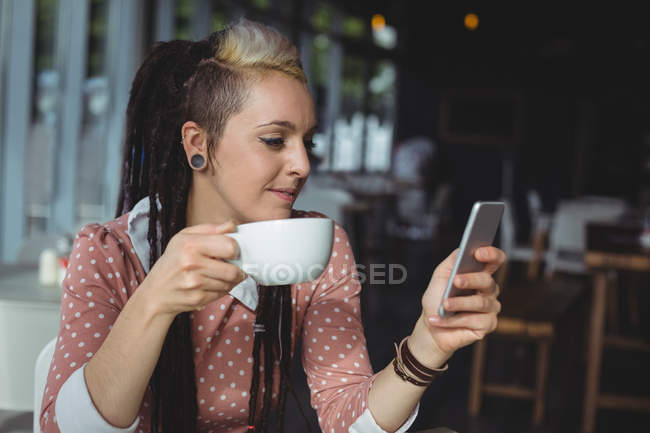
(206, 81)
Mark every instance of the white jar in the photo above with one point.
(48, 268)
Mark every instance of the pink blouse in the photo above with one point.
(103, 273)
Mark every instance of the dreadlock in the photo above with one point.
(207, 82)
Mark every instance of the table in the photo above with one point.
(29, 318)
(610, 247)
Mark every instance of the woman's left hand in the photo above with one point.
(475, 314)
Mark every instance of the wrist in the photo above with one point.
(149, 307)
(424, 348)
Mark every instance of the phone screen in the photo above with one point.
(480, 230)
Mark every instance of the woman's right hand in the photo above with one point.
(192, 271)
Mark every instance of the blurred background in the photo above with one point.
(423, 108)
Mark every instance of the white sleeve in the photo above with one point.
(76, 412)
(366, 423)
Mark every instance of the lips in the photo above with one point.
(288, 194)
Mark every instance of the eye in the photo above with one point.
(275, 142)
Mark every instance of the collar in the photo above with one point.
(138, 227)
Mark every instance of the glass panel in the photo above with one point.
(353, 27)
(222, 14)
(46, 23)
(97, 37)
(319, 67)
(183, 19)
(284, 7)
(219, 17)
(261, 4)
(271, 21)
(384, 35)
(322, 17)
(319, 60)
(348, 127)
(41, 144)
(381, 116)
(280, 26)
(96, 98)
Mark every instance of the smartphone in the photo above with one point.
(480, 230)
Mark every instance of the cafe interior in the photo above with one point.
(423, 109)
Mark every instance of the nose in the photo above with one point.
(298, 161)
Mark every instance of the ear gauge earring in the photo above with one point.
(197, 161)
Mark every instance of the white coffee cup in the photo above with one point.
(284, 251)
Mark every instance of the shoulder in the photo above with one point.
(109, 236)
(103, 256)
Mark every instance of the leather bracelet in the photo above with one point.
(414, 365)
(408, 364)
(404, 376)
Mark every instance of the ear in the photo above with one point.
(194, 140)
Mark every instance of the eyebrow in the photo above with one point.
(286, 124)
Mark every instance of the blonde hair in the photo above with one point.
(255, 46)
(242, 53)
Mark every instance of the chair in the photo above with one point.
(531, 253)
(567, 238)
(530, 312)
(25, 327)
(41, 371)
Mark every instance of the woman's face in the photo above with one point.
(260, 162)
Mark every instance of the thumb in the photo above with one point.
(211, 229)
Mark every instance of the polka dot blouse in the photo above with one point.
(103, 273)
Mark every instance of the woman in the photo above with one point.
(160, 333)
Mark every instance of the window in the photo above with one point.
(42, 136)
(350, 120)
(75, 100)
(353, 81)
(81, 64)
(381, 116)
(95, 102)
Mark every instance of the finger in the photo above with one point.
(214, 295)
(474, 321)
(481, 281)
(216, 269)
(473, 304)
(216, 246)
(492, 256)
(200, 300)
(197, 281)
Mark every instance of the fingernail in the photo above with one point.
(460, 282)
(447, 304)
(484, 253)
(434, 319)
